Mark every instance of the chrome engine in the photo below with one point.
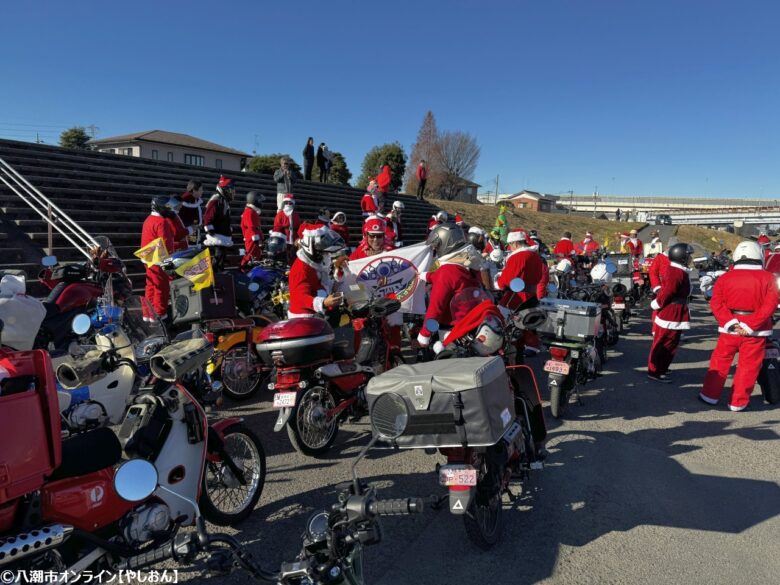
(145, 522)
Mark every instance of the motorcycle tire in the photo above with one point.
(484, 519)
(239, 379)
(560, 393)
(247, 452)
(307, 428)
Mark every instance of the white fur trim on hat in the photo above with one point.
(476, 230)
(273, 234)
(517, 236)
(313, 233)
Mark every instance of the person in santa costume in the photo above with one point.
(656, 273)
(673, 316)
(180, 232)
(588, 246)
(743, 301)
(191, 213)
(287, 222)
(634, 245)
(763, 239)
(493, 243)
(310, 275)
(158, 287)
(564, 248)
(455, 256)
(216, 222)
(437, 219)
(369, 204)
(339, 225)
(375, 241)
(394, 222)
(250, 228)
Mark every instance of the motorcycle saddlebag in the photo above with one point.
(190, 306)
(567, 319)
(623, 263)
(452, 403)
(70, 272)
(769, 380)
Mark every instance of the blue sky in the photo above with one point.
(632, 97)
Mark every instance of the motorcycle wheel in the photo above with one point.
(309, 431)
(239, 377)
(484, 520)
(558, 400)
(224, 501)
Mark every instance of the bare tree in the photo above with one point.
(422, 149)
(456, 157)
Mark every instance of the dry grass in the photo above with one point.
(698, 235)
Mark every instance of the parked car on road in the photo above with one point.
(663, 219)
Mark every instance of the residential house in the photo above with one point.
(533, 201)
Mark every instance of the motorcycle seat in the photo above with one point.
(343, 349)
(88, 452)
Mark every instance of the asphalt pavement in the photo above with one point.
(644, 484)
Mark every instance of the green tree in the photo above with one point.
(268, 163)
(392, 154)
(75, 137)
(423, 149)
(339, 172)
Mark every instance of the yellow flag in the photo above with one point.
(152, 253)
(198, 271)
(606, 242)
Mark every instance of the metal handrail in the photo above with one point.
(40, 204)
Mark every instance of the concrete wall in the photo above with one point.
(177, 154)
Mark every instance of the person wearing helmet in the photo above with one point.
(375, 241)
(310, 275)
(191, 213)
(476, 237)
(743, 301)
(394, 222)
(634, 245)
(672, 315)
(539, 245)
(180, 232)
(437, 219)
(564, 248)
(369, 204)
(276, 248)
(287, 222)
(493, 242)
(656, 271)
(339, 225)
(455, 256)
(216, 222)
(251, 229)
(763, 239)
(158, 288)
(461, 224)
(655, 246)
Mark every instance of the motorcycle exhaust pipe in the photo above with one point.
(81, 372)
(176, 360)
(19, 546)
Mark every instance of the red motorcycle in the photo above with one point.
(317, 380)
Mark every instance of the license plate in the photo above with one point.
(556, 367)
(771, 354)
(457, 475)
(284, 399)
(618, 305)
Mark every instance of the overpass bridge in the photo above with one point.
(611, 203)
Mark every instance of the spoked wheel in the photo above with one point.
(225, 500)
(484, 520)
(239, 373)
(310, 429)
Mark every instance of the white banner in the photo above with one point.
(397, 273)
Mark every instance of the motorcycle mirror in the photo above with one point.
(516, 285)
(253, 287)
(135, 480)
(432, 325)
(49, 261)
(552, 288)
(389, 416)
(81, 324)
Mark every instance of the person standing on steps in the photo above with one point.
(191, 213)
(321, 161)
(383, 181)
(422, 178)
(283, 176)
(158, 287)
(308, 158)
(251, 229)
(216, 219)
(328, 155)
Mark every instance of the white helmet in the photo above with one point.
(748, 253)
(489, 337)
(564, 266)
(442, 216)
(398, 205)
(496, 255)
(599, 273)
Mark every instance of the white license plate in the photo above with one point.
(556, 367)
(771, 354)
(457, 475)
(618, 305)
(284, 399)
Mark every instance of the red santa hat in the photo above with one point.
(588, 234)
(224, 182)
(314, 230)
(517, 235)
(458, 219)
(374, 225)
(288, 199)
(624, 235)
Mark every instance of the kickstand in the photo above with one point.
(577, 396)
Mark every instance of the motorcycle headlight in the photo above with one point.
(317, 527)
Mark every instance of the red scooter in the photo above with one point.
(319, 381)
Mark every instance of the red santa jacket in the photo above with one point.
(635, 247)
(587, 248)
(490, 246)
(383, 179)
(657, 269)
(250, 227)
(180, 233)
(541, 288)
(564, 248)
(342, 230)
(394, 226)
(524, 264)
(671, 302)
(763, 240)
(287, 225)
(446, 281)
(746, 296)
(369, 205)
(155, 226)
(433, 222)
(309, 285)
(422, 173)
(190, 212)
(217, 215)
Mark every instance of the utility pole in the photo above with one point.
(595, 196)
(571, 200)
(496, 201)
(257, 142)
(92, 130)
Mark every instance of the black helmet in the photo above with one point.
(276, 246)
(446, 239)
(477, 240)
(160, 204)
(254, 198)
(316, 243)
(680, 253)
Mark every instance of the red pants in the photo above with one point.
(751, 356)
(158, 289)
(253, 251)
(662, 351)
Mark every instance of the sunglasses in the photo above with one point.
(376, 236)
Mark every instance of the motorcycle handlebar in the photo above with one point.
(397, 507)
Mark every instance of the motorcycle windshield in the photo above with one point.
(106, 246)
(467, 299)
(139, 320)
